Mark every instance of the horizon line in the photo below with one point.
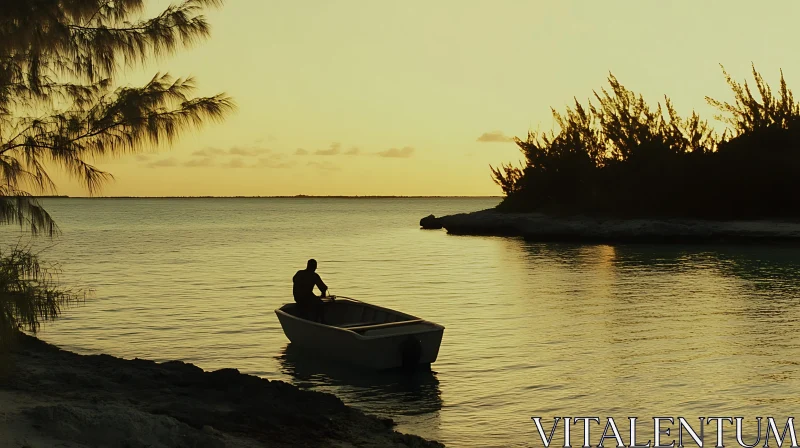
(271, 197)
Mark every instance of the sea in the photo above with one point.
(532, 329)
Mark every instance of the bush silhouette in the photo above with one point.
(619, 156)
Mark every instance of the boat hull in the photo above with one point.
(382, 346)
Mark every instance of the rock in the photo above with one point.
(99, 400)
(113, 425)
(181, 366)
(430, 222)
(208, 429)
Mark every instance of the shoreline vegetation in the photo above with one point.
(619, 170)
(278, 197)
(541, 227)
(298, 196)
(619, 157)
(53, 397)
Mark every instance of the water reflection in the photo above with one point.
(532, 329)
(389, 393)
(690, 328)
(767, 267)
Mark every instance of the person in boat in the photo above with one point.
(304, 281)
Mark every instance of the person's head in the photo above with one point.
(312, 265)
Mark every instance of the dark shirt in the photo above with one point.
(304, 282)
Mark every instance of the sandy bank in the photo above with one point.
(540, 227)
(51, 397)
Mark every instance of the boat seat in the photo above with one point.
(385, 325)
(358, 324)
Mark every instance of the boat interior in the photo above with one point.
(358, 316)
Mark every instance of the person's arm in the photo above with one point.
(321, 285)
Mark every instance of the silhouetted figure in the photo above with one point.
(304, 282)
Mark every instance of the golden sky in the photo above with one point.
(371, 97)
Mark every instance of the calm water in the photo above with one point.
(532, 329)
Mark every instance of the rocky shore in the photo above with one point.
(52, 397)
(540, 227)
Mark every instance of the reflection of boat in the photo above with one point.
(364, 334)
(393, 394)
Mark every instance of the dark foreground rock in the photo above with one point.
(50, 396)
(540, 227)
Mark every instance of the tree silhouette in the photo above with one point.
(619, 156)
(60, 108)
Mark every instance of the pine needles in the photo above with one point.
(60, 107)
(30, 293)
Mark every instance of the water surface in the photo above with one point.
(531, 329)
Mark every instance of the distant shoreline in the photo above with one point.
(300, 196)
(539, 227)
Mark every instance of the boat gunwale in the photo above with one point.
(436, 327)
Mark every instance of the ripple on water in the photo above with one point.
(532, 329)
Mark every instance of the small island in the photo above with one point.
(541, 227)
(619, 170)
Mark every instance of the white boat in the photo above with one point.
(367, 335)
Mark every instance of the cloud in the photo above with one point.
(335, 148)
(143, 157)
(209, 152)
(209, 156)
(404, 153)
(235, 163)
(327, 166)
(276, 161)
(172, 161)
(246, 152)
(195, 163)
(493, 137)
(235, 157)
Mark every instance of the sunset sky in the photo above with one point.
(364, 97)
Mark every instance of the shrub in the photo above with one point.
(620, 156)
